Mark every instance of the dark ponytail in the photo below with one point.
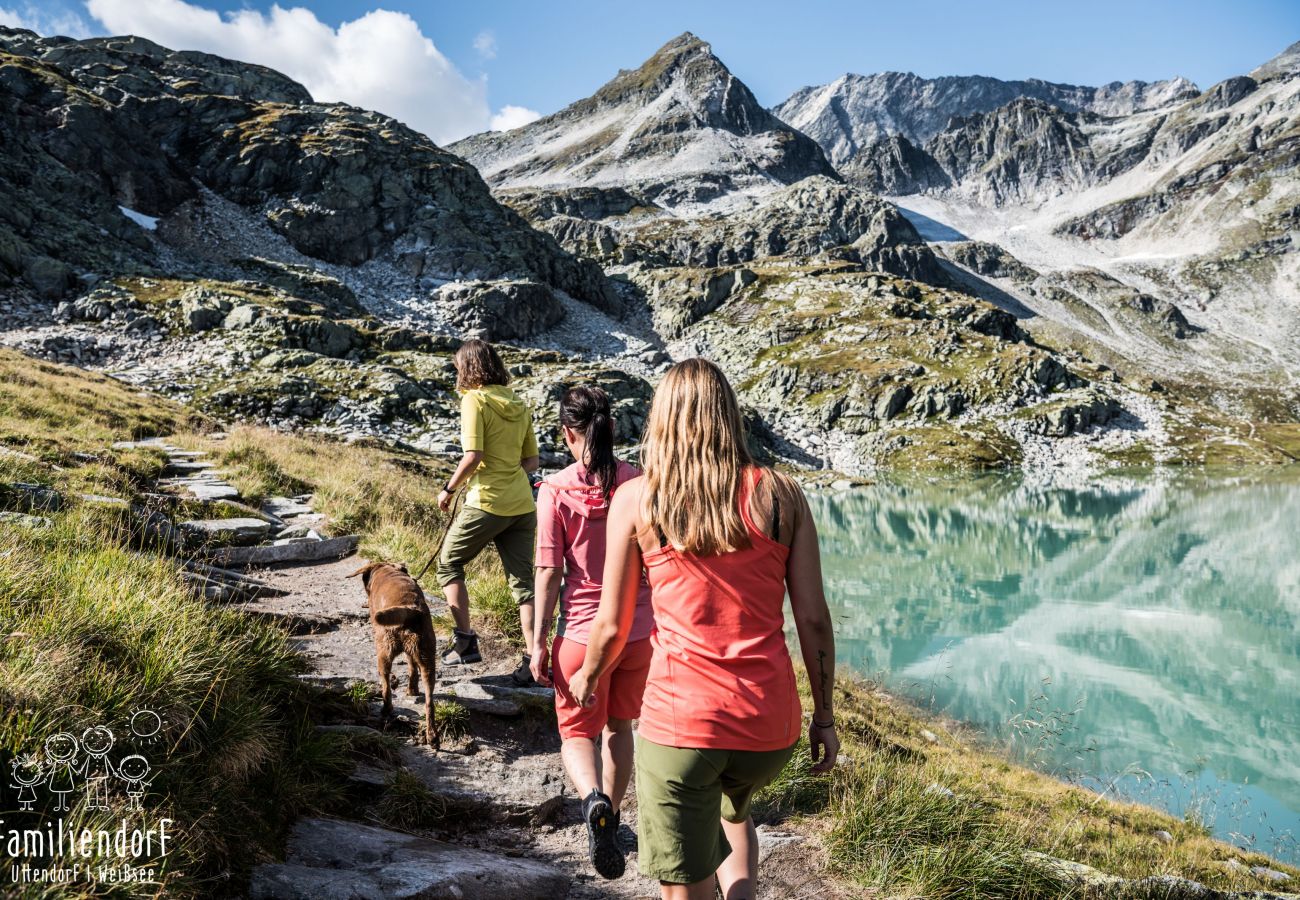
(585, 408)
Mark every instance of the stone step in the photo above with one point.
(153, 443)
(212, 490)
(182, 469)
(490, 688)
(514, 794)
(285, 507)
(330, 859)
(307, 551)
(234, 532)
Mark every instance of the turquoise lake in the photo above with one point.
(1153, 622)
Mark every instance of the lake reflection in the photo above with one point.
(1169, 608)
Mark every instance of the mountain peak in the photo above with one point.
(679, 127)
(686, 42)
(1285, 63)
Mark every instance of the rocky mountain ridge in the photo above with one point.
(855, 111)
(680, 128)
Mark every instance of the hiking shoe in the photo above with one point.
(602, 835)
(463, 651)
(523, 676)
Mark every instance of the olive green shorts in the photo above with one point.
(680, 795)
(470, 534)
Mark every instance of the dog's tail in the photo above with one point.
(399, 615)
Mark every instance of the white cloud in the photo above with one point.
(45, 21)
(509, 117)
(486, 44)
(380, 61)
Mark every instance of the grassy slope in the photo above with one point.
(880, 823)
(95, 630)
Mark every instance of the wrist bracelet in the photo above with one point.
(448, 488)
(830, 724)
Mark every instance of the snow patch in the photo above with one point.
(148, 223)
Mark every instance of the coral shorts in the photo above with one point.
(617, 695)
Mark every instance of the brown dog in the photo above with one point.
(400, 617)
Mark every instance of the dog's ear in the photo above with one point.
(364, 572)
(402, 566)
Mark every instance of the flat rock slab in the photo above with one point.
(307, 551)
(490, 688)
(227, 532)
(285, 507)
(101, 500)
(151, 443)
(518, 794)
(24, 520)
(187, 467)
(328, 859)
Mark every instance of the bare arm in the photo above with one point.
(812, 620)
(547, 581)
(613, 622)
(531, 463)
(464, 469)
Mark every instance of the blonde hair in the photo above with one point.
(694, 457)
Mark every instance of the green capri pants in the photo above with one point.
(680, 795)
(473, 530)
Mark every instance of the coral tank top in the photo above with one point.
(721, 677)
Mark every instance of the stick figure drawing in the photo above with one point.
(134, 771)
(27, 773)
(61, 751)
(97, 740)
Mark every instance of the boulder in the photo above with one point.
(196, 317)
(25, 497)
(501, 310)
(48, 277)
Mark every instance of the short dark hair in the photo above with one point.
(478, 365)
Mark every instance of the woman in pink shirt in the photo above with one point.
(572, 510)
(722, 540)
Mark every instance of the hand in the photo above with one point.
(444, 500)
(824, 744)
(541, 664)
(581, 689)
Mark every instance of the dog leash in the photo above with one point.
(442, 538)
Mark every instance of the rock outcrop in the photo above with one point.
(112, 134)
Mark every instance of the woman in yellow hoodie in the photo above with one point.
(500, 449)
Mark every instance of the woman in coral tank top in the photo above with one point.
(721, 541)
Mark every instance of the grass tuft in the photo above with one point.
(408, 803)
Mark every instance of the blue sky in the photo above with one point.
(496, 64)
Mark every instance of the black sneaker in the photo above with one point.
(602, 835)
(463, 651)
(523, 676)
